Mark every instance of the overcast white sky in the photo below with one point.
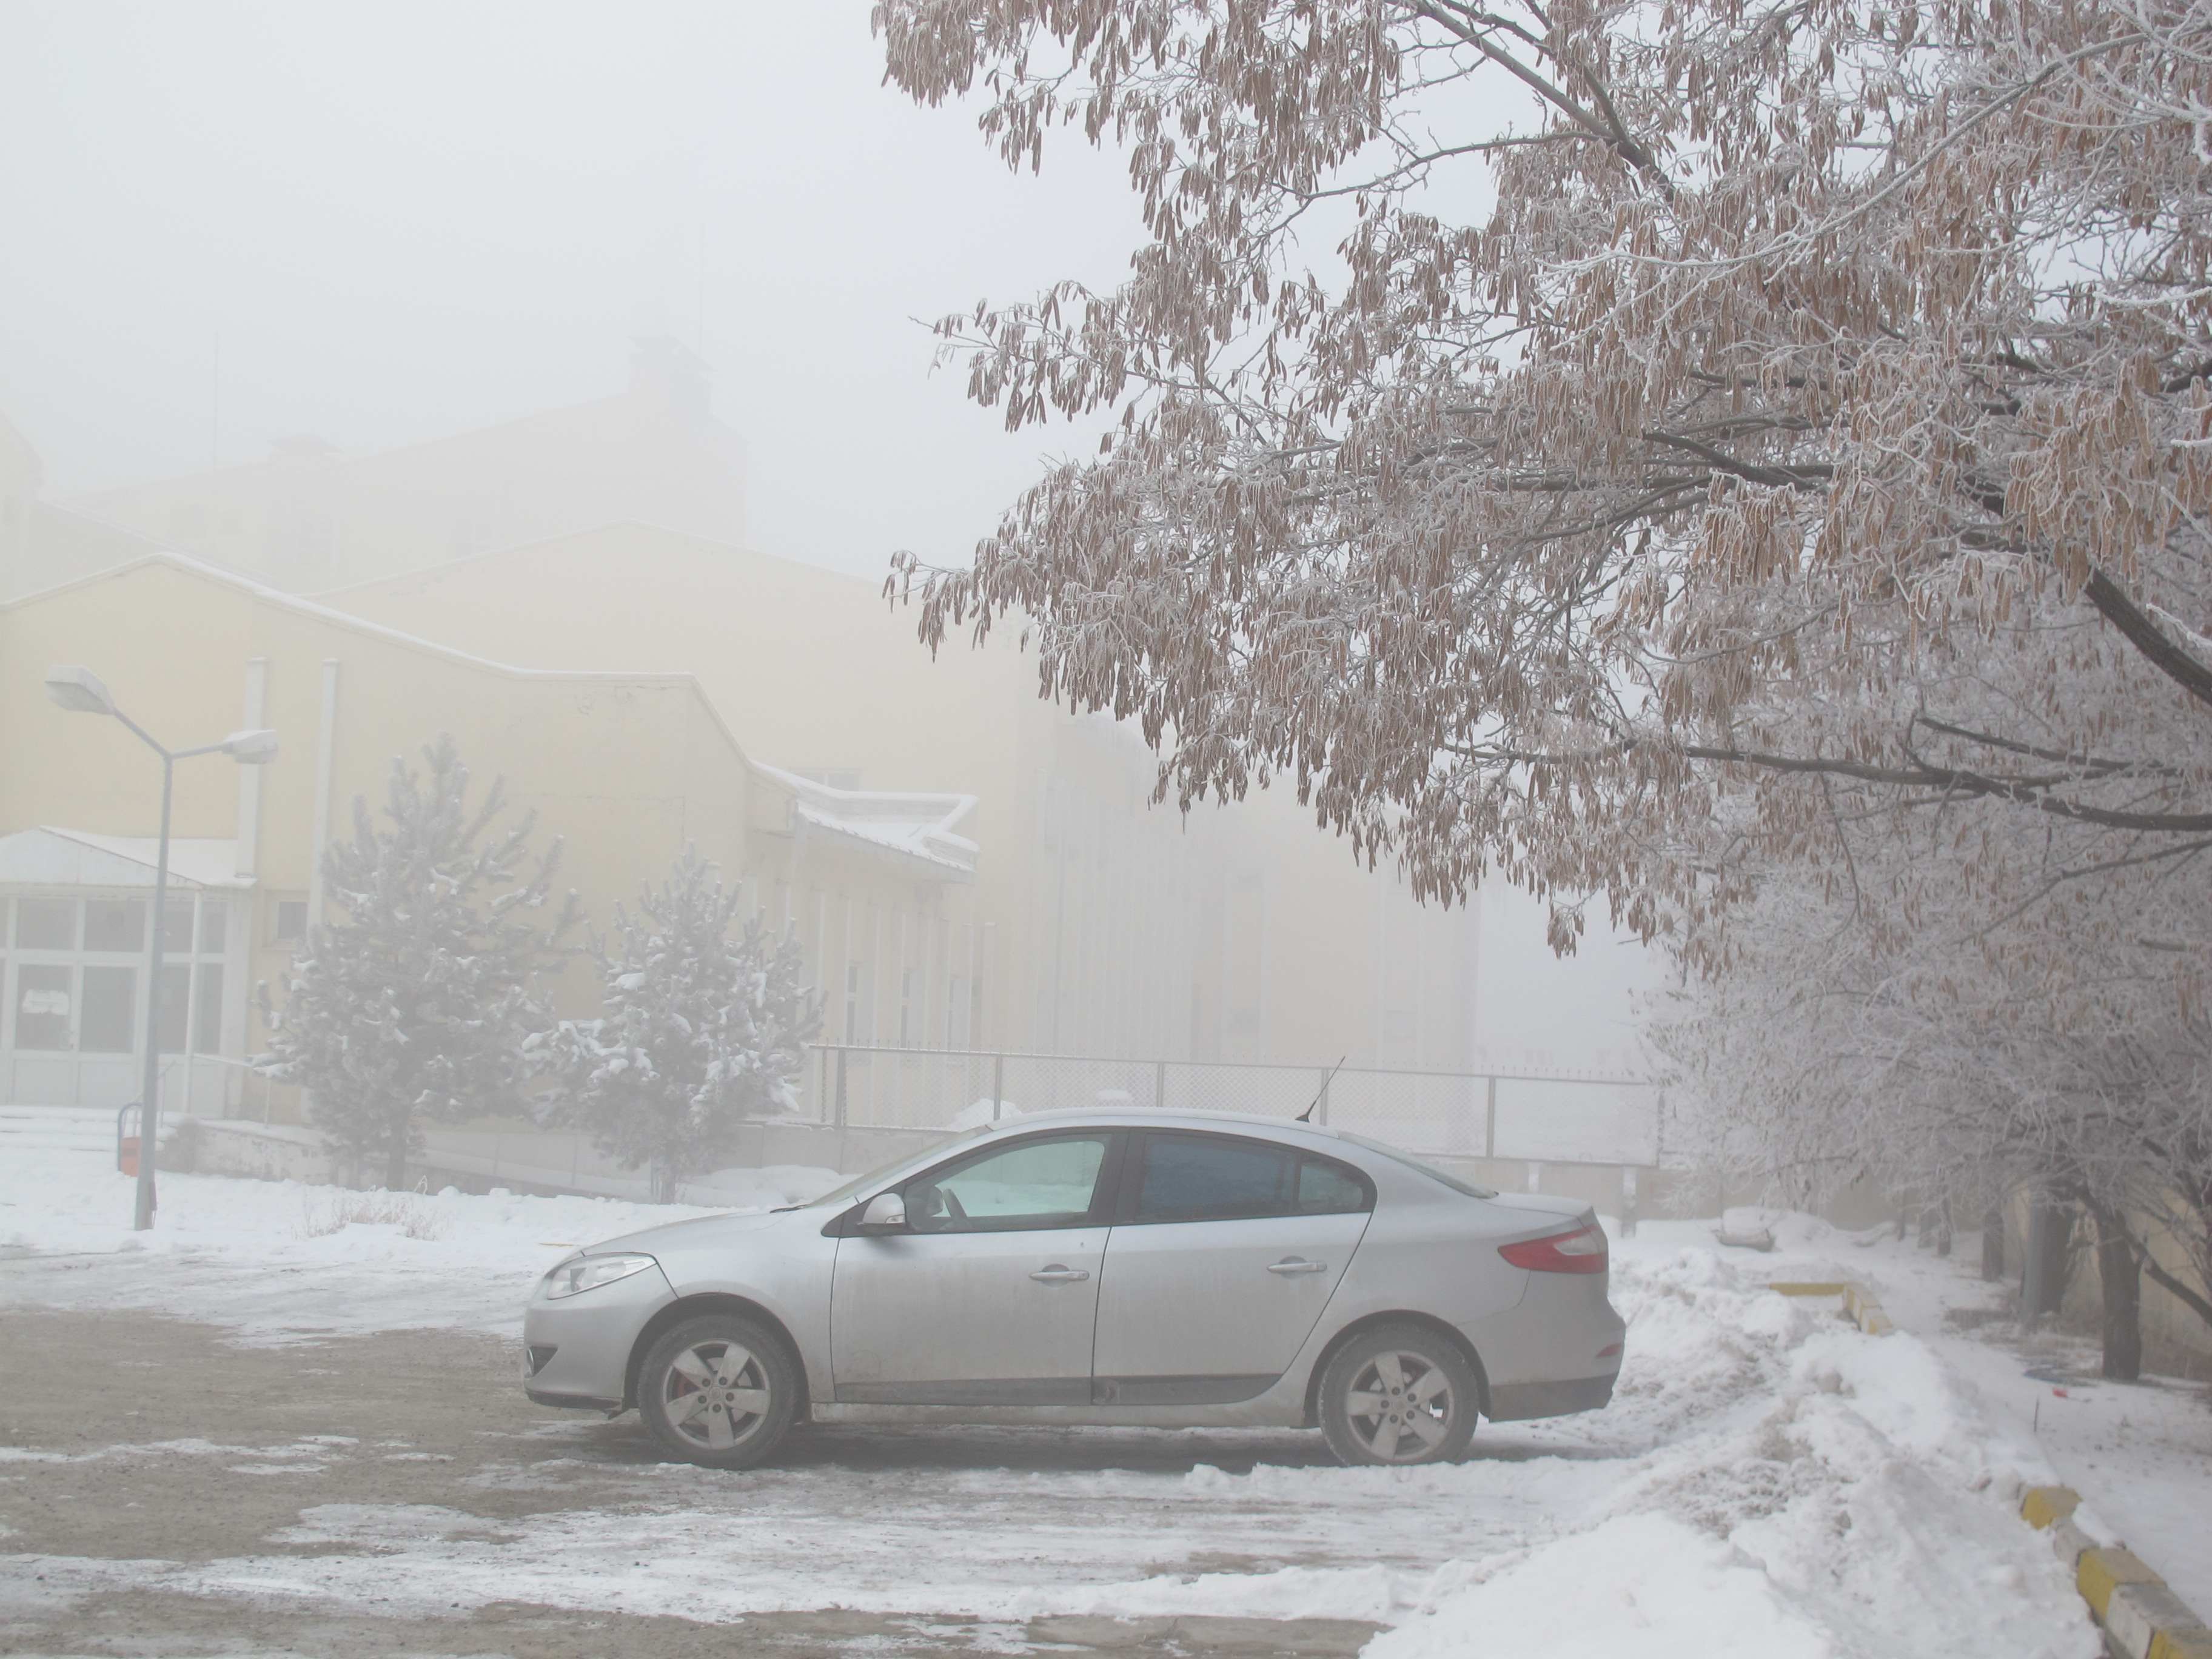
(416, 216)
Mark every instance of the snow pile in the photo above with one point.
(1802, 1489)
(1644, 1585)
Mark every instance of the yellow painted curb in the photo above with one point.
(1859, 1304)
(2099, 1572)
(2142, 1618)
(2181, 1645)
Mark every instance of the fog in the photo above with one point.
(239, 223)
(227, 222)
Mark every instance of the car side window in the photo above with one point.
(1032, 1184)
(1328, 1187)
(1201, 1177)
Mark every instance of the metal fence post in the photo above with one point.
(1490, 1119)
(840, 1089)
(998, 1084)
(1160, 1085)
(1628, 1201)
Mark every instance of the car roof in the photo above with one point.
(1156, 1117)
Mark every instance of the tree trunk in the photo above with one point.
(2043, 1271)
(1993, 1242)
(664, 1184)
(2119, 1273)
(2057, 1258)
(395, 1163)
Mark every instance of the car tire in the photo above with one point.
(1399, 1394)
(742, 1380)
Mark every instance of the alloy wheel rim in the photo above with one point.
(715, 1394)
(1399, 1406)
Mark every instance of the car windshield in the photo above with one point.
(882, 1176)
(1412, 1162)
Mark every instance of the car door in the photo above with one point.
(1224, 1251)
(990, 1294)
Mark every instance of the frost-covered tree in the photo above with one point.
(418, 1004)
(701, 1031)
(1964, 1018)
(1540, 421)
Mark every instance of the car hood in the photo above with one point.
(703, 1230)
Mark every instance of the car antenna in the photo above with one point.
(1306, 1116)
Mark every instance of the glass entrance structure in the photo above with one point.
(73, 942)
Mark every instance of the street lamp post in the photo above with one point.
(82, 692)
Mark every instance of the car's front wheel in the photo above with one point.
(718, 1390)
(1398, 1393)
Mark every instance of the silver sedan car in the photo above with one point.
(1175, 1270)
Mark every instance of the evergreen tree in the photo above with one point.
(420, 1003)
(701, 1032)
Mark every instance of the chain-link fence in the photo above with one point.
(1466, 1115)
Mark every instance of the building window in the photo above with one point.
(288, 921)
(110, 998)
(46, 924)
(192, 999)
(115, 924)
(207, 1011)
(42, 1006)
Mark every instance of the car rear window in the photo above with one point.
(1201, 1177)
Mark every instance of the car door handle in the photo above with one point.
(1297, 1265)
(1056, 1274)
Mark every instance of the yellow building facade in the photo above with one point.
(626, 768)
(1121, 928)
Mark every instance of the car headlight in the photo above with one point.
(588, 1273)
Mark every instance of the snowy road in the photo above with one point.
(1767, 1482)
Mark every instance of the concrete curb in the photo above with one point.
(1860, 1306)
(2141, 1618)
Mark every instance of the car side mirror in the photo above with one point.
(886, 1214)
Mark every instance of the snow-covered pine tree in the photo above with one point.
(421, 1002)
(701, 1031)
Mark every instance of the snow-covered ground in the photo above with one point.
(1768, 1482)
(278, 1262)
(2142, 1453)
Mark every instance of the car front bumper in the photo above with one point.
(575, 1351)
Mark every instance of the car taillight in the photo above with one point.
(1580, 1251)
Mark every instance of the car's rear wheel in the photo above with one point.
(720, 1390)
(1399, 1394)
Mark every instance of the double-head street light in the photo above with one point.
(82, 692)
